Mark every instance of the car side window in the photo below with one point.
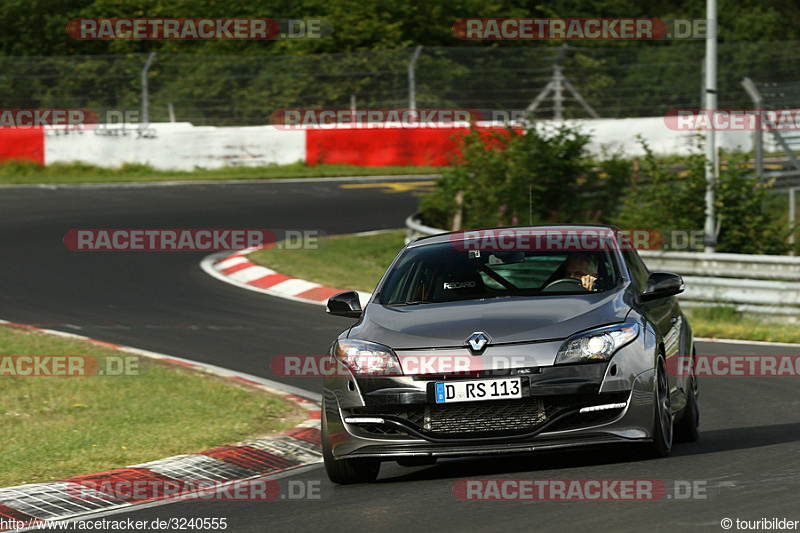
(637, 269)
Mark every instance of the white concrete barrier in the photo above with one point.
(182, 146)
(619, 134)
(178, 146)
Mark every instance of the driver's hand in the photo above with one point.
(588, 282)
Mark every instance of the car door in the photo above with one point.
(666, 316)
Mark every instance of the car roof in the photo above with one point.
(455, 236)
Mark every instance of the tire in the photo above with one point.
(662, 416)
(346, 471)
(688, 427)
(416, 461)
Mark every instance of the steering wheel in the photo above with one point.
(564, 285)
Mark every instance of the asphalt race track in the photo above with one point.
(746, 464)
(163, 301)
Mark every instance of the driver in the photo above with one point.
(582, 267)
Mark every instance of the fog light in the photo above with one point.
(603, 407)
(363, 420)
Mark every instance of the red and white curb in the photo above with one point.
(227, 465)
(237, 270)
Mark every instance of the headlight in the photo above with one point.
(596, 345)
(367, 358)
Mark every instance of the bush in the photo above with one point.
(499, 172)
(664, 199)
(657, 197)
(749, 224)
(507, 177)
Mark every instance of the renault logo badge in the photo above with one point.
(477, 342)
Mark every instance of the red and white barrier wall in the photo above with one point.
(24, 144)
(182, 146)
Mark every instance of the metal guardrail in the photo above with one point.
(758, 284)
(415, 229)
(769, 267)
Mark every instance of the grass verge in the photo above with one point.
(357, 262)
(28, 173)
(724, 322)
(56, 427)
(347, 262)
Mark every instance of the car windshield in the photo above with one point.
(442, 273)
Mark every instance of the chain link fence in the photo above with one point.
(630, 81)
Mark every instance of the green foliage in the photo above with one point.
(610, 175)
(22, 168)
(721, 313)
(38, 27)
(499, 170)
(674, 199)
(664, 198)
(507, 178)
(749, 224)
(27, 172)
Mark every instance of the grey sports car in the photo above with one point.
(508, 340)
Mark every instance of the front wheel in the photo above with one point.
(662, 416)
(688, 427)
(346, 471)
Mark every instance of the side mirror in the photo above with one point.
(661, 285)
(345, 304)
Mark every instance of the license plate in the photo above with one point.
(476, 391)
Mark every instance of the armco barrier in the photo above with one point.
(768, 267)
(758, 284)
(22, 144)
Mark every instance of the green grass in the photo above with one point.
(357, 262)
(344, 262)
(724, 322)
(26, 172)
(56, 427)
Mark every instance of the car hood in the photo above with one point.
(506, 320)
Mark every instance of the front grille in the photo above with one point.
(582, 420)
(485, 419)
(380, 429)
(503, 415)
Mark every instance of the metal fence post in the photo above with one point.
(792, 217)
(412, 82)
(711, 105)
(145, 95)
(758, 140)
(558, 95)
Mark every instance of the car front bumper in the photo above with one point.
(431, 431)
